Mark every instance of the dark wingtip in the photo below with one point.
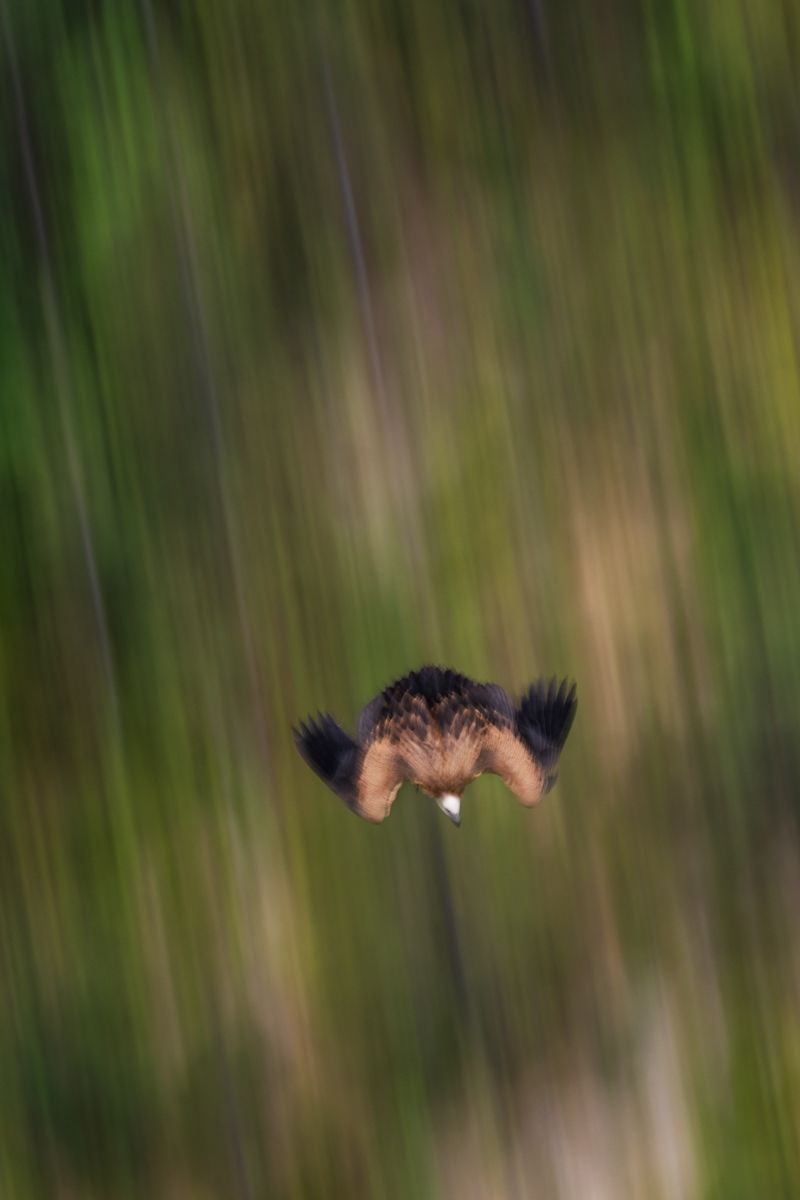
(329, 751)
(546, 715)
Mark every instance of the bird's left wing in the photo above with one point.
(524, 750)
(505, 754)
(502, 751)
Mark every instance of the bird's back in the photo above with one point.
(437, 720)
(436, 694)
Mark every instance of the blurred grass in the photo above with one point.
(334, 342)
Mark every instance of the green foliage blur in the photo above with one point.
(334, 339)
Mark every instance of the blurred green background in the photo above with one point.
(336, 338)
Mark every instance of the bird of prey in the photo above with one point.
(439, 730)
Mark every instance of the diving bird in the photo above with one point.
(439, 730)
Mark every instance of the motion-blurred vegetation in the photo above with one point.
(336, 338)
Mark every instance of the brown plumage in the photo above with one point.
(439, 730)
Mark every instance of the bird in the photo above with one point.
(439, 730)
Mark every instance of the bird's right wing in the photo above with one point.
(331, 753)
(366, 777)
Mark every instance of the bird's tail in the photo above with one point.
(330, 752)
(545, 716)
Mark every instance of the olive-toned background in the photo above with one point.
(336, 338)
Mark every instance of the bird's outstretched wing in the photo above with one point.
(545, 717)
(383, 772)
(525, 750)
(398, 732)
(367, 777)
(331, 753)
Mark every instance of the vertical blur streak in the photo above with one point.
(204, 373)
(241, 1189)
(541, 37)
(60, 367)
(443, 901)
(354, 239)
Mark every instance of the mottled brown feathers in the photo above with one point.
(440, 730)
